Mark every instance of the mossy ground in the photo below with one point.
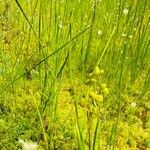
(75, 74)
(19, 118)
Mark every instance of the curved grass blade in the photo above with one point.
(46, 58)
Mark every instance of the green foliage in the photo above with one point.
(53, 90)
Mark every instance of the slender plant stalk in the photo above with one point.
(42, 125)
(43, 60)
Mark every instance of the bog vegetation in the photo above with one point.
(75, 74)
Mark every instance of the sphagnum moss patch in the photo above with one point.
(74, 75)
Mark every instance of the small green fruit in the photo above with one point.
(100, 98)
(97, 71)
(95, 96)
(103, 86)
(105, 91)
(91, 81)
(102, 71)
(92, 95)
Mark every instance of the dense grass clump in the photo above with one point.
(75, 74)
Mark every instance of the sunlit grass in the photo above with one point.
(75, 74)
